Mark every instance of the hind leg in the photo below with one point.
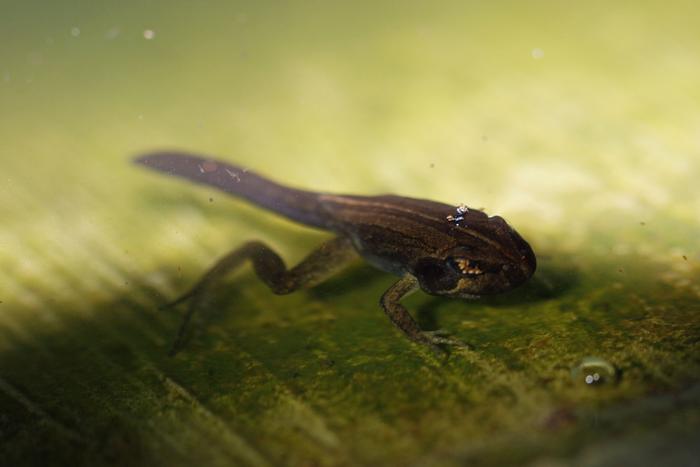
(320, 264)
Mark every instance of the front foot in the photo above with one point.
(440, 337)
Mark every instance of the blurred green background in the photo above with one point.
(578, 123)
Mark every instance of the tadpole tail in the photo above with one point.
(298, 205)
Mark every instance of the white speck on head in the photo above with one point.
(537, 53)
(75, 32)
(149, 34)
(461, 209)
(589, 379)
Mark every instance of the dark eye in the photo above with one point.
(465, 267)
(430, 269)
(434, 275)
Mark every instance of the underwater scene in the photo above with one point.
(575, 341)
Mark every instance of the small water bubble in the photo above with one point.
(537, 53)
(75, 31)
(594, 371)
(149, 34)
(594, 378)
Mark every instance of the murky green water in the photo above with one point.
(577, 123)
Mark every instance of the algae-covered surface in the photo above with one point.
(580, 124)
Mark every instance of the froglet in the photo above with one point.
(453, 252)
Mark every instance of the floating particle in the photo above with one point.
(149, 34)
(234, 175)
(75, 32)
(537, 53)
(113, 33)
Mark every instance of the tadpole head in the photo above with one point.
(489, 257)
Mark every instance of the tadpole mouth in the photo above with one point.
(522, 258)
(528, 261)
(524, 266)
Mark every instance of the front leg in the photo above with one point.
(400, 317)
(269, 267)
